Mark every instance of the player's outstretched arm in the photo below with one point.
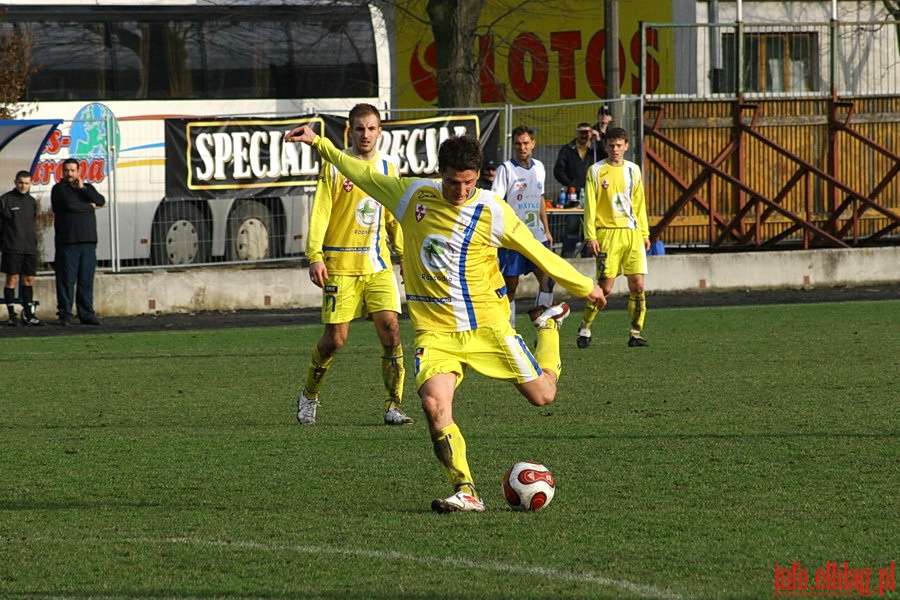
(385, 189)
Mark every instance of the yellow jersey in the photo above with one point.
(349, 231)
(452, 279)
(614, 199)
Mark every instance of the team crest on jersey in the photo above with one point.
(420, 212)
(436, 253)
(367, 212)
(348, 185)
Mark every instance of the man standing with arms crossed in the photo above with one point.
(347, 248)
(616, 232)
(19, 243)
(455, 292)
(520, 181)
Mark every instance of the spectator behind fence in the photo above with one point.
(604, 118)
(74, 204)
(19, 244)
(488, 173)
(571, 165)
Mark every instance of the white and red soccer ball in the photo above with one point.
(528, 486)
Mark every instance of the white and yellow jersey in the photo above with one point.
(614, 199)
(450, 269)
(348, 230)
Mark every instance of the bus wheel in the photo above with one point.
(179, 235)
(249, 232)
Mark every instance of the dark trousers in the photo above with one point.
(572, 234)
(75, 265)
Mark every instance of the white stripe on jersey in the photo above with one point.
(490, 199)
(526, 364)
(629, 187)
(459, 286)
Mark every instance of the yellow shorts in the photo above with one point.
(347, 297)
(495, 351)
(621, 253)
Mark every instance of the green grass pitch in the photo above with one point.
(170, 464)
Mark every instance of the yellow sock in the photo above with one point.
(547, 351)
(315, 375)
(590, 313)
(392, 372)
(450, 449)
(637, 309)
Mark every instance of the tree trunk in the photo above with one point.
(453, 23)
(893, 8)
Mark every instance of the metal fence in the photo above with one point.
(717, 61)
(140, 229)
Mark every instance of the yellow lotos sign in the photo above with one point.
(542, 53)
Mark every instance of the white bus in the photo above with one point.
(115, 71)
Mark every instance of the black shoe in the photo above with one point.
(64, 321)
(12, 321)
(90, 321)
(637, 341)
(584, 338)
(32, 321)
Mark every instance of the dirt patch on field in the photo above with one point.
(272, 318)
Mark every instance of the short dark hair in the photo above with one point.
(616, 133)
(462, 153)
(522, 129)
(22, 174)
(71, 161)
(583, 125)
(362, 110)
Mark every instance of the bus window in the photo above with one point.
(176, 52)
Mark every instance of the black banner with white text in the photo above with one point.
(247, 157)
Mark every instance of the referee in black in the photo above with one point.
(19, 246)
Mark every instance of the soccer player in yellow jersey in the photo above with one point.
(347, 248)
(455, 292)
(616, 232)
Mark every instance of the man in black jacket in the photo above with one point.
(571, 166)
(19, 243)
(74, 203)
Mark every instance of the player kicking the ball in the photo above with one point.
(456, 295)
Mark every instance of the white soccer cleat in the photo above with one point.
(395, 416)
(541, 315)
(458, 502)
(306, 409)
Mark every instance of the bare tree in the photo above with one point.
(15, 69)
(893, 8)
(454, 23)
(458, 35)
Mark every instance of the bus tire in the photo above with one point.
(250, 229)
(180, 235)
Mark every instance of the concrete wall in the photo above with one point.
(288, 285)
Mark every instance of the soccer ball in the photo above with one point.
(528, 486)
